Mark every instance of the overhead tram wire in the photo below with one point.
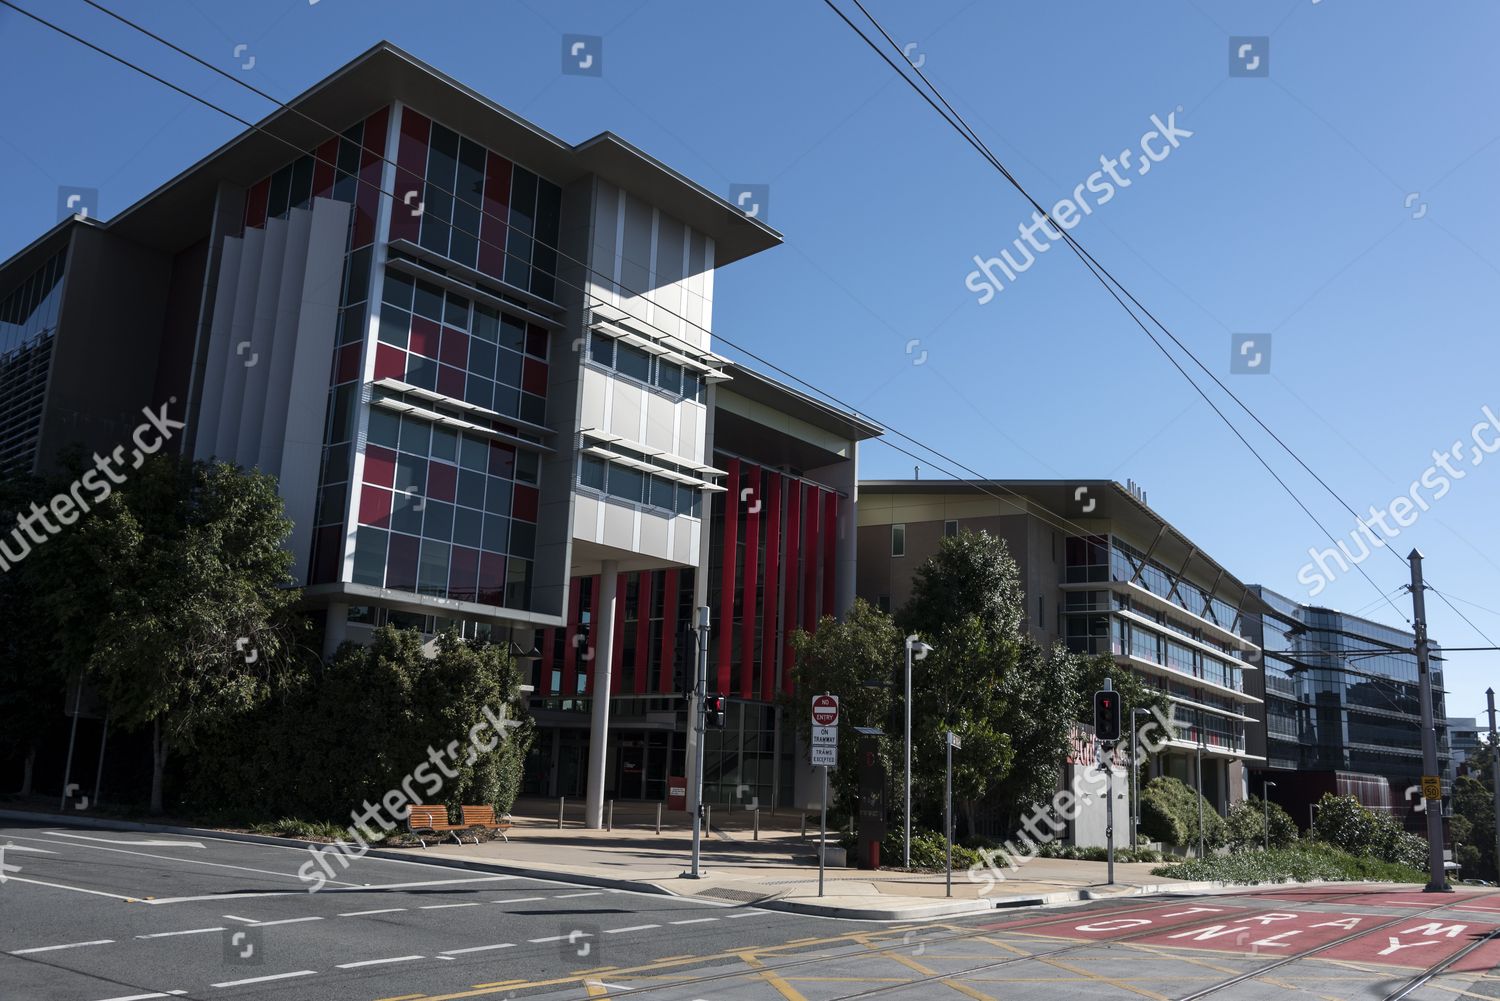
(1065, 524)
(976, 480)
(1099, 269)
(1102, 275)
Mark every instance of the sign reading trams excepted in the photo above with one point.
(825, 747)
(825, 710)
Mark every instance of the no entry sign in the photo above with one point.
(825, 710)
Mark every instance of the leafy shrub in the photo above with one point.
(1301, 864)
(1246, 826)
(1169, 814)
(928, 851)
(361, 726)
(1344, 823)
(1097, 853)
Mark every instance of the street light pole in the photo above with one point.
(913, 644)
(1437, 881)
(1494, 769)
(1265, 801)
(1135, 783)
(700, 695)
(1198, 751)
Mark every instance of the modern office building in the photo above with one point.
(1103, 573)
(1342, 710)
(779, 555)
(1464, 738)
(479, 360)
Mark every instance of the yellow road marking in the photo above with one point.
(928, 971)
(1101, 979)
(773, 978)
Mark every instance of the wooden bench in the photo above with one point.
(483, 817)
(432, 820)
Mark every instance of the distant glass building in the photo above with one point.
(1337, 716)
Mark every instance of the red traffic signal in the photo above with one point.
(713, 708)
(1107, 716)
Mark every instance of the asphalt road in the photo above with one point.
(96, 915)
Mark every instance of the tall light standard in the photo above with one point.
(1199, 751)
(915, 650)
(1135, 781)
(1265, 801)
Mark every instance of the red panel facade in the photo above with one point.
(769, 648)
(751, 493)
(726, 610)
(830, 548)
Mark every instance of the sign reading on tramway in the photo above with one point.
(825, 731)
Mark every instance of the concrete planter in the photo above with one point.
(835, 857)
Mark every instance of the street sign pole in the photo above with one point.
(1495, 769)
(952, 742)
(823, 832)
(825, 755)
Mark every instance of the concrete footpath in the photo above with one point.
(778, 870)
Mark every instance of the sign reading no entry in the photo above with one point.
(825, 731)
(825, 710)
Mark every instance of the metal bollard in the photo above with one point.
(708, 819)
(562, 802)
(803, 835)
(757, 823)
(658, 818)
(609, 824)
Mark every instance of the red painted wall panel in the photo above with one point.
(725, 625)
(789, 579)
(670, 586)
(755, 503)
(830, 549)
(643, 595)
(769, 648)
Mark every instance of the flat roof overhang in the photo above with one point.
(1116, 510)
(176, 214)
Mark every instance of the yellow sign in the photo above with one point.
(1432, 787)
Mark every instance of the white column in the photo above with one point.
(335, 629)
(604, 648)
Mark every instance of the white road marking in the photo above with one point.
(70, 945)
(570, 896)
(517, 900)
(379, 962)
(75, 889)
(284, 921)
(478, 948)
(383, 910)
(441, 907)
(349, 888)
(27, 848)
(692, 921)
(174, 858)
(143, 997)
(746, 914)
(261, 980)
(559, 938)
(236, 917)
(619, 931)
(122, 841)
(190, 931)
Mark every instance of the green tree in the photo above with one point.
(859, 660)
(1012, 701)
(174, 595)
(1345, 823)
(1474, 813)
(1246, 825)
(32, 679)
(1170, 811)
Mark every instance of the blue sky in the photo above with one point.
(1338, 204)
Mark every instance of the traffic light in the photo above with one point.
(1107, 716)
(713, 708)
